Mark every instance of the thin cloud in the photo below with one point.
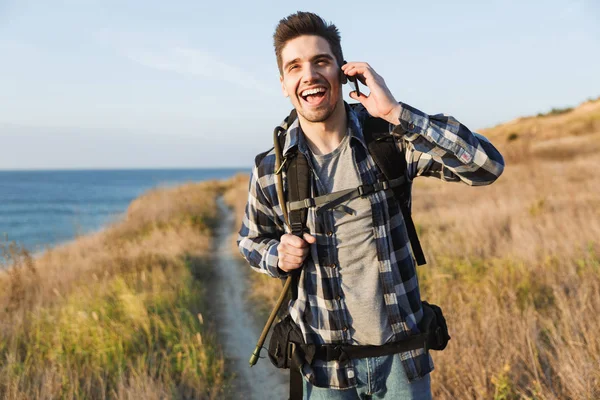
(188, 61)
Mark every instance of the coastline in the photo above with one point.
(42, 209)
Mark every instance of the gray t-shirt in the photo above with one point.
(357, 254)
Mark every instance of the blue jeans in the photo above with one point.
(378, 378)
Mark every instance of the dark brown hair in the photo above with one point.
(306, 23)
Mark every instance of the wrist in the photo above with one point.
(393, 117)
(282, 272)
(280, 269)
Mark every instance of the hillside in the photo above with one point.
(557, 135)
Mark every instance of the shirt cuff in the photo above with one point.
(411, 122)
(271, 260)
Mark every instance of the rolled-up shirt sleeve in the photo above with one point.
(440, 146)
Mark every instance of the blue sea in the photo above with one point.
(39, 209)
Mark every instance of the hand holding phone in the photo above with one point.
(380, 102)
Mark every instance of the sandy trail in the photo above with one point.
(238, 331)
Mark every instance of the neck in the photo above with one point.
(324, 137)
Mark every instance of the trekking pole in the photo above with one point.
(279, 188)
(263, 336)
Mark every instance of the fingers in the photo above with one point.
(290, 261)
(293, 251)
(293, 240)
(360, 98)
(289, 258)
(309, 238)
(361, 69)
(379, 102)
(355, 64)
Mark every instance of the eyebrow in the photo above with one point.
(317, 56)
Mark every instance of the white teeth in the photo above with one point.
(312, 91)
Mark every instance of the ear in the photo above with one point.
(283, 89)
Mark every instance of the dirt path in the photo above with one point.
(238, 332)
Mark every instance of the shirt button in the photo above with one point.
(411, 126)
(338, 298)
(331, 265)
(345, 329)
(329, 233)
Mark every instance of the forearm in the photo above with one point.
(470, 156)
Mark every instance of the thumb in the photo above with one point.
(309, 238)
(360, 98)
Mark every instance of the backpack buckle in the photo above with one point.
(365, 190)
(297, 228)
(336, 352)
(309, 202)
(290, 350)
(343, 356)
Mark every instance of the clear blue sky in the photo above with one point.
(132, 84)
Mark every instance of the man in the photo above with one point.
(358, 282)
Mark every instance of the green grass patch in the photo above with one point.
(138, 324)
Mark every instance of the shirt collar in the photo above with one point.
(295, 136)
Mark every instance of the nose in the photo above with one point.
(310, 73)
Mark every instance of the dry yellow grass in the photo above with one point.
(552, 137)
(515, 266)
(117, 314)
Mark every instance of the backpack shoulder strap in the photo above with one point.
(298, 188)
(298, 179)
(392, 163)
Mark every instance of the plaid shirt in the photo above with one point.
(436, 146)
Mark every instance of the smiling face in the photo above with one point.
(311, 77)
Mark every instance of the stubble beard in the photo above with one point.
(321, 114)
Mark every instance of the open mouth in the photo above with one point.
(314, 96)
